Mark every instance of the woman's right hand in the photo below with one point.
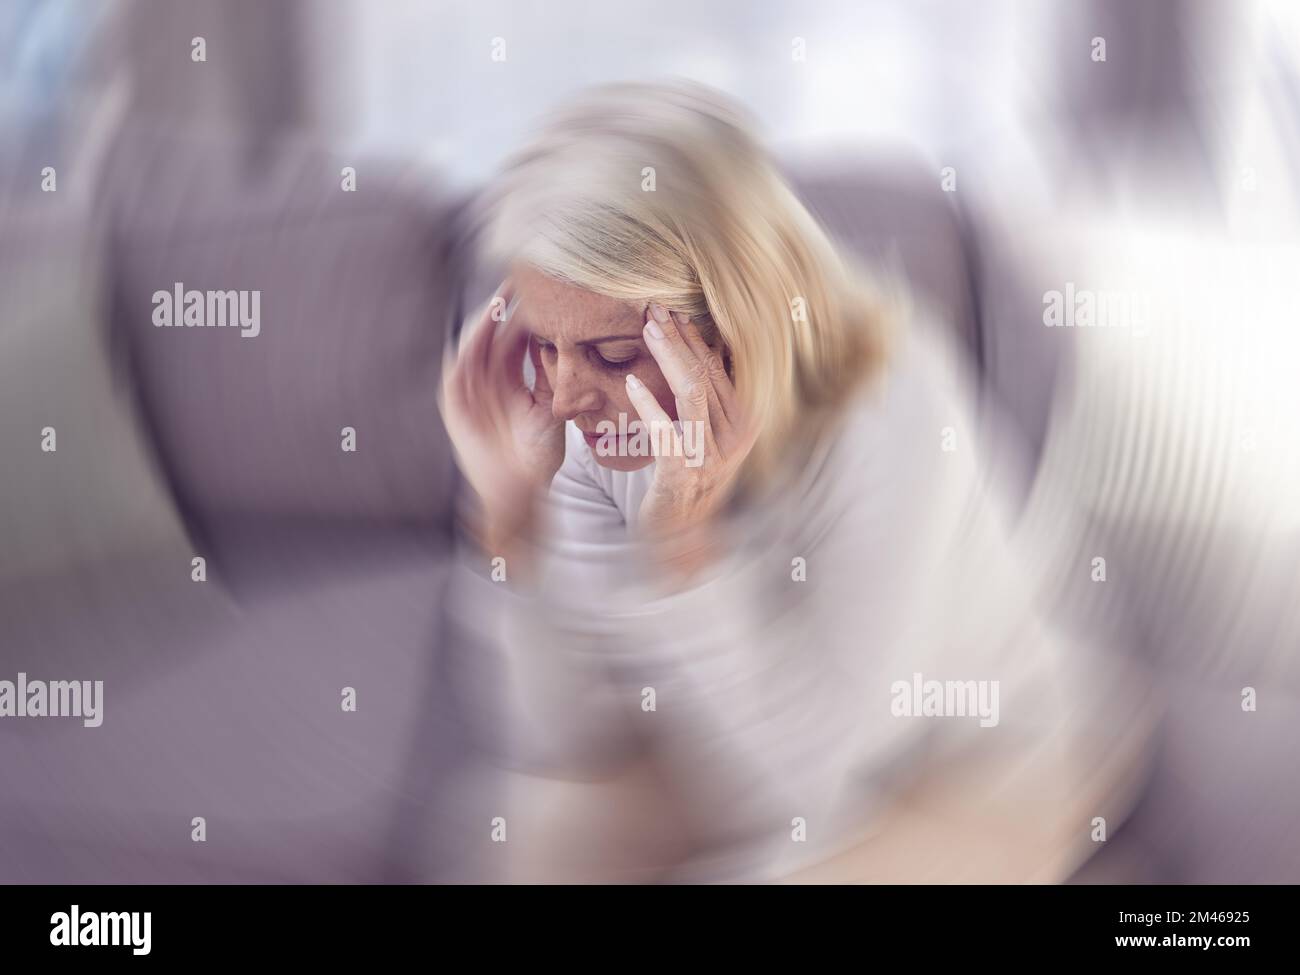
(507, 441)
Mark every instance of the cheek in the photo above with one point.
(613, 387)
(546, 365)
(658, 385)
(584, 378)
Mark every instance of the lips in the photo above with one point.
(593, 438)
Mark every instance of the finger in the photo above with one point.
(452, 407)
(542, 391)
(502, 305)
(478, 352)
(474, 348)
(479, 336)
(722, 392)
(704, 368)
(506, 363)
(448, 386)
(658, 424)
(686, 374)
(690, 334)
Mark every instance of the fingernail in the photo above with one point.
(633, 382)
(653, 328)
(660, 313)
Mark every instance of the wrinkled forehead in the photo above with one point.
(562, 312)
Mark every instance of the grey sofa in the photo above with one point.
(324, 569)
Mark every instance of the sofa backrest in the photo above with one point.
(354, 292)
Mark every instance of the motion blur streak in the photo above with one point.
(258, 544)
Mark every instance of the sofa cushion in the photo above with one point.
(233, 712)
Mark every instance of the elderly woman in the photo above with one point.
(762, 614)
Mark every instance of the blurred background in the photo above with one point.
(991, 153)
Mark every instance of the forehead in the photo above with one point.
(558, 310)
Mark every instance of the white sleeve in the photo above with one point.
(560, 714)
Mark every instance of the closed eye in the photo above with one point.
(616, 361)
(609, 360)
(616, 353)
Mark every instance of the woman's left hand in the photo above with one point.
(696, 466)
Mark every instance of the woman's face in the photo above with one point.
(586, 344)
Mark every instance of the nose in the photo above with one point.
(574, 390)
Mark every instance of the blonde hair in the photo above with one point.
(644, 192)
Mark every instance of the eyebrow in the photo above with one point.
(634, 336)
(603, 338)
